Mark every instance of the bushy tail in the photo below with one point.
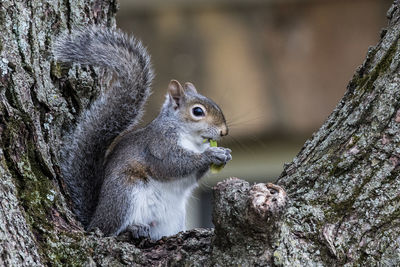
(121, 106)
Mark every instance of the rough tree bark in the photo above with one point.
(343, 187)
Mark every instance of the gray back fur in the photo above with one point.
(114, 111)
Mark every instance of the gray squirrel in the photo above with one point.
(121, 178)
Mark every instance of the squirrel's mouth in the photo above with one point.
(206, 139)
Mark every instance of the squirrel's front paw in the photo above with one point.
(219, 155)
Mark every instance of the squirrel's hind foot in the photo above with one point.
(139, 230)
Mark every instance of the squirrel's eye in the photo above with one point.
(198, 112)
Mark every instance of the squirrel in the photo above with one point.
(121, 178)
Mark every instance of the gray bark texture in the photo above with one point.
(340, 204)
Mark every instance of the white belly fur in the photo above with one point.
(162, 205)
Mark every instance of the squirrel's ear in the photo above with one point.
(189, 87)
(175, 92)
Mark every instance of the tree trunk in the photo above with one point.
(343, 204)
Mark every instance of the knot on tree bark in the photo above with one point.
(266, 202)
(247, 214)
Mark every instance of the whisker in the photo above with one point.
(245, 121)
(239, 144)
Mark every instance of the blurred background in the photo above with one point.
(276, 67)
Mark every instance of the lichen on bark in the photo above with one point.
(34, 114)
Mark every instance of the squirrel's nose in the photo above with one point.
(224, 131)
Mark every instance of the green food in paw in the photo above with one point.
(215, 168)
(213, 143)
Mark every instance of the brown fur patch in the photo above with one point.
(136, 171)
